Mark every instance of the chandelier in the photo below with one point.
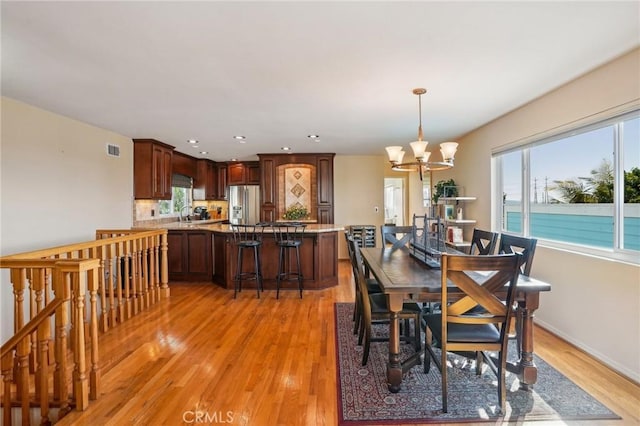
(421, 161)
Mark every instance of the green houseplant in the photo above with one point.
(444, 188)
(296, 212)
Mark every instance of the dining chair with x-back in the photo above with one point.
(482, 279)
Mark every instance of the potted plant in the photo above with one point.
(296, 212)
(444, 188)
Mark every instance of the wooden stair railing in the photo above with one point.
(127, 273)
(32, 373)
(133, 272)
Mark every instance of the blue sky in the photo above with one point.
(571, 158)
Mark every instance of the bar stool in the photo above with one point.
(288, 238)
(248, 237)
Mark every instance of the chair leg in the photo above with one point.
(417, 335)
(518, 314)
(238, 277)
(279, 276)
(479, 362)
(256, 265)
(357, 316)
(443, 374)
(502, 394)
(361, 331)
(367, 343)
(299, 270)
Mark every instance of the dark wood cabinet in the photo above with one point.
(318, 258)
(269, 184)
(184, 164)
(221, 183)
(152, 168)
(210, 182)
(190, 255)
(205, 182)
(246, 173)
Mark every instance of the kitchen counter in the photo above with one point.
(216, 225)
(203, 250)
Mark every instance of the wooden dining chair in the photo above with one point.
(483, 242)
(482, 279)
(373, 307)
(390, 235)
(526, 247)
(372, 284)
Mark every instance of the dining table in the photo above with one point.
(406, 275)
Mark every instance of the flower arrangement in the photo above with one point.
(296, 212)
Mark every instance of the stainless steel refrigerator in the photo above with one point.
(244, 204)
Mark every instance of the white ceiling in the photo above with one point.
(276, 72)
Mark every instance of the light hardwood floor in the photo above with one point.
(263, 362)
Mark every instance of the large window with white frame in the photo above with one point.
(579, 189)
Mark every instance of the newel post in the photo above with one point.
(164, 265)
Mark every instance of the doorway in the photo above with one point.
(394, 201)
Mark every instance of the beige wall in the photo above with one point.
(57, 184)
(595, 302)
(358, 190)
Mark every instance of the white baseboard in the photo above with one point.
(621, 369)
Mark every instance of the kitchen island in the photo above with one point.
(204, 251)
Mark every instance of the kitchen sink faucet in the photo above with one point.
(188, 218)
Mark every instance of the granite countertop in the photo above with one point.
(214, 225)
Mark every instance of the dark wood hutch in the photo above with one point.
(322, 164)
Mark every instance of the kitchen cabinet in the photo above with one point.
(205, 182)
(271, 207)
(184, 164)
(190, 255)
(152, 168)
(210, 181)
(318, 259)
(246, 173)
(221, 183)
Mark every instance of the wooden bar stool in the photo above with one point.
(289, 239)
(248, 237)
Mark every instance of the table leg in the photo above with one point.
(528, 370)
(394, 367)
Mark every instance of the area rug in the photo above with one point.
(363, 397)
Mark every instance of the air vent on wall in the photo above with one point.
(113, 150)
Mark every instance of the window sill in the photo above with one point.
(624, 256)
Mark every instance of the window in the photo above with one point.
(181, 196)
(580, 188)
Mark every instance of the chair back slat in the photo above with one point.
(482, 279)
(390, 235)
(526, 247)
(484, 242)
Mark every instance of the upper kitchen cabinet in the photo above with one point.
(184, 164)
(205, 182)
(210, 182)
(152, 169)
(221, 184)
(246, 173)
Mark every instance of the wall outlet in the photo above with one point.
(153, 212)
(376, 209)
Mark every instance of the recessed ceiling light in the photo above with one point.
(239, 137)
(313, 136)
(192, 141)
(285, 148)
(204, 152)
(234, 159)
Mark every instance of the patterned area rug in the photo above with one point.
(363, 397)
